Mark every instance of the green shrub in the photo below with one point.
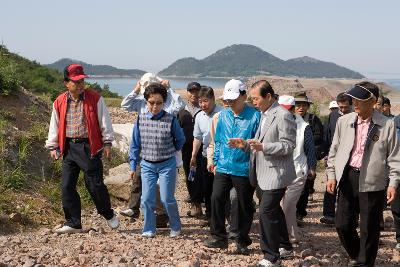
(24, 149)
(113, 102)
(9, 81)
(14, 179)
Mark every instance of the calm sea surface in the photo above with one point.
(124, 86)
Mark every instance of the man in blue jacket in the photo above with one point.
(232, 167)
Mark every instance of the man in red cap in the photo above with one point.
(80, 130)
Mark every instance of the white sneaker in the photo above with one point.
(267, 263)
(127, 212)
(148, 234)
(113, 222)
(67, 230)
(284, 253)
(174, 233)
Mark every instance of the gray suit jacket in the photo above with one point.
(381, 156)
(273, 168)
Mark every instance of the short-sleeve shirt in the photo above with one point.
(202, 126)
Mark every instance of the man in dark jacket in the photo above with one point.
(186, 119)
(302, 107)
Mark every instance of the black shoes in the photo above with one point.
(327, 220)
(215, 243)
(242, 249)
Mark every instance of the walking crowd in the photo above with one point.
(256, 142)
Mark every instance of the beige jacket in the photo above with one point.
(210, 148)
(381, 157)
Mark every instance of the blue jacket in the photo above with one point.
(228, 160)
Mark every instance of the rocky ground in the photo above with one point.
(101, 246)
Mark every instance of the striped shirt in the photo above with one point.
(75, 118)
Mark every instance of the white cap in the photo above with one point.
(286, 101)
(333, 104)
(232, 89)
(147, 79)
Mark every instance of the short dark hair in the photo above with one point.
(193, 86)
(265, 88)
(207, 92)
(386, 101)
(155, 88)
(342, 97)
(65, 72)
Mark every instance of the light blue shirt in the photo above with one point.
(136, 102)
(202, 126)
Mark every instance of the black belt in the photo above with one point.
(78, 140)
(354, 169)
(157, 161)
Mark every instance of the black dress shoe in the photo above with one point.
(215, 243)
(327, 220)
(242, 249)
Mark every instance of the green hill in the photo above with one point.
(249, 60)
(97, 70)
(310, 67)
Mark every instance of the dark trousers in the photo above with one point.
(273, 230)
(329, 204)
(206, 179)
(136, 191)
(232, 213)
(222, 185)
(303, 200)
(395, 207)
(136, 194)
(195, 188)
(76, 158)
(369, 206)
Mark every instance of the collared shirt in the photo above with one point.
(134, 152)
(359, 142)
(75, 118)
(202, 126)
(136, 102)
(264, 116)
(192, 109)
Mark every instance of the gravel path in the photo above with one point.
(100, 246)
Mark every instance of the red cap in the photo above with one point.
(75, 72)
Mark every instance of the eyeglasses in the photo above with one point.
(152, 103)
(81, 81)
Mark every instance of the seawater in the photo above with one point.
(124, 86)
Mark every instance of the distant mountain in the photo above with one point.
(98, 70)
(311, 67)
(249, 60)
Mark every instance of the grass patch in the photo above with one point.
(113, 102)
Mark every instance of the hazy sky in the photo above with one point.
(362, 34)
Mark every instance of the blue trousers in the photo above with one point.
(165, 172)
